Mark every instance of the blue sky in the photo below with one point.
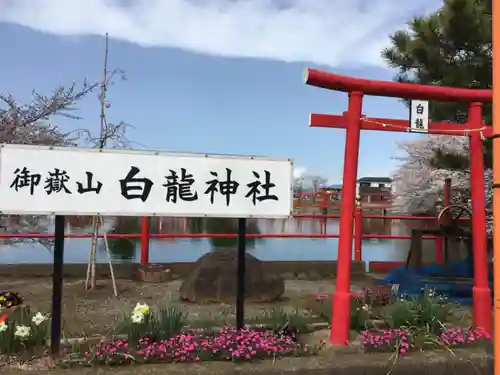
(214, 76)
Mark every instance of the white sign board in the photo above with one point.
(76, 181)
(419, 116)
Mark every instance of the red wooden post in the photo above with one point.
(341, 311)
(325, 200)
(439, 249)
(358, 234)
(481, 292)
(159, 224)
(441, 242)
(447, 192)
(145, 221)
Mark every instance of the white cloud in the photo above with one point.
(298, 172)
(329, 32)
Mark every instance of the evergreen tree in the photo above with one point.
(451, 47)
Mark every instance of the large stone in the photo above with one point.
(214, 280)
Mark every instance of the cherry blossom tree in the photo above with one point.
(450, 47)
(35, 123)
(419, 180)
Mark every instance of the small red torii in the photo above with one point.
(353, 121)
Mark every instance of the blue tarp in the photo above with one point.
(413, 280)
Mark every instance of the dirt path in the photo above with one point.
(97, 312)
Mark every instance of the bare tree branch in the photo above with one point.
(31, 124)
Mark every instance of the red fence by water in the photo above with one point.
(323, 200)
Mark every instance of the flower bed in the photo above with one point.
(388, 323)
(227, 345)
(403, 341)
(147, 335)
(158, 337)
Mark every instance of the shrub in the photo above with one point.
(364, 306)
(143, 322)
(277, 318)
(401, 314)
(322, 306)
(427, 311)
(375, 297)
(360, 315)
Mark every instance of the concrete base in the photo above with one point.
(154, 274)
(465, 361)
(323, 269)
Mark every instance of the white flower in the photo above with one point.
(3, 326)
(39, 318)
(142, 308)
(137, 317)
(22, 331)
(138, 313)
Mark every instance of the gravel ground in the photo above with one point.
(96, 312)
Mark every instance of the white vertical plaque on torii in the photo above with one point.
(419, 116)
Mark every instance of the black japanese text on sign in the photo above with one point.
(419, 121)
(178, 185)
(420, 109)
(55, 181)
(419, 115)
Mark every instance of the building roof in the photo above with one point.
(335, 186)
(381, 180)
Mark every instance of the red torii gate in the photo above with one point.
(353, 121)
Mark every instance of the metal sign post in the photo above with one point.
(240, 272)
(57, 284)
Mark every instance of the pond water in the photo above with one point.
(268, 249)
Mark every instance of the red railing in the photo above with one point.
(145, 236)
(207, 235)
(359, 236)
